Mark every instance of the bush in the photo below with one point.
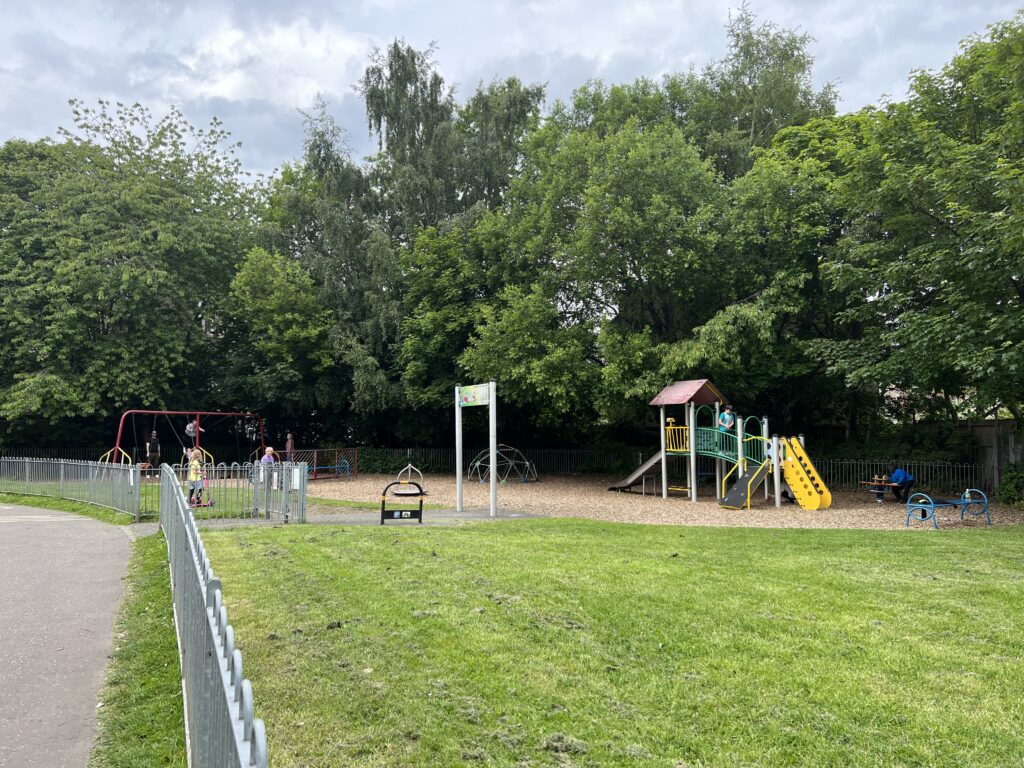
(1011, 486)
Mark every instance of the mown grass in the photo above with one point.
(66, 505)
(556, 642)
(141, 722)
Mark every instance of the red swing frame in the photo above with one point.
(119, 456)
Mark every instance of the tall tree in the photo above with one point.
(115, 247)
(762, 86)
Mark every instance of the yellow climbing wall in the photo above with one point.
(808, 487)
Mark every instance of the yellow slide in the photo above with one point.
(803, 478)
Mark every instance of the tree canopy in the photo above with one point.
(721, 222)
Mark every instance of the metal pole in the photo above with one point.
(492, 397)
(777, 470)
(800, 437)
(664, 458)
(764, 436)
(693, 451)
(718, 462)
(739, 446)
(458, 452)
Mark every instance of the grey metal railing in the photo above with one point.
(115, 486)
(274, 492)
(220, 725)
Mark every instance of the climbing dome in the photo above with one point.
(511, 463)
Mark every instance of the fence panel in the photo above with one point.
(115, 486)
(220, 723)
(235, 491)
(943, 477)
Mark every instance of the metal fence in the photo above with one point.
(70, 454)
(275, 492)
(846, 474)
(329, 463)
(220, 725)
(554, 461)
(116, 486)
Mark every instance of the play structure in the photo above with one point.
(510, 462)
(921, 507)
(745, 455)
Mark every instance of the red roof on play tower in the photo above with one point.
(699, 391)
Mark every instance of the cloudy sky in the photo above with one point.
(255, 63)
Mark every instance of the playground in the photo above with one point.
(586, 496)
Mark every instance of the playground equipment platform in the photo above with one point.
(744, 449)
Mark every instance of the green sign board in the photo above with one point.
(478, 394)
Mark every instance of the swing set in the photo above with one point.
(118, 455)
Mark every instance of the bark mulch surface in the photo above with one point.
(588, 497)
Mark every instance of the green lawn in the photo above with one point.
(141, 722)
(553, 642)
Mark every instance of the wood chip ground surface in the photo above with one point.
(588, 497)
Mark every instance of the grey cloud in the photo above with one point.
(151, 51)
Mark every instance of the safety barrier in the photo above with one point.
(275, 492)
(115, 486)
(220, 726)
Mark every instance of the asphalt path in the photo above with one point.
(61, 582)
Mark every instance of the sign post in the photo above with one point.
(467, 397)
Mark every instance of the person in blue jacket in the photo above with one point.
(903, 480)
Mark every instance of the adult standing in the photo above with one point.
(153, 451)
(289, 448)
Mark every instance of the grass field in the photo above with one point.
(140, 722)
(557, 642)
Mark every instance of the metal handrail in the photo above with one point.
(220, 724)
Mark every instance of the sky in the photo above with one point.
(256, 63)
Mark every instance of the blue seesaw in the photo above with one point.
(973, 502)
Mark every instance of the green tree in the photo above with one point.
(739, 103)
(276, 356)
(115, 247)
(930, 264)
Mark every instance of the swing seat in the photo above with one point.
(408, 492)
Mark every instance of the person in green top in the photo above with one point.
(726, 422)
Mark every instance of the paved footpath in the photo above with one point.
(61, 582)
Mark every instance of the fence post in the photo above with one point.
(135, 491)
(286, 489)
(61, 486)
(26, 476)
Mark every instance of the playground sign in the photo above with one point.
(477, 394)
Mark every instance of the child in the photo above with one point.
(195, 479)
(726, 421)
